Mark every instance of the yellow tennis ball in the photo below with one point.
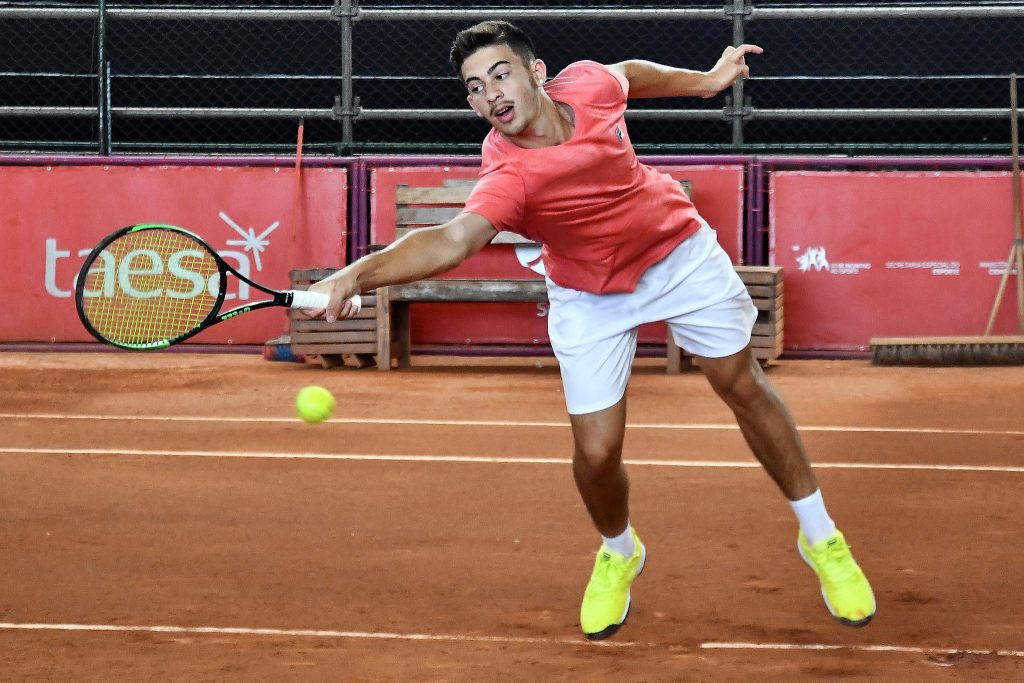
(314, 404)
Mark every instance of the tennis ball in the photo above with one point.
(314, 404)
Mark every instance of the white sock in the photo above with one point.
(814, 519)
(623, 544)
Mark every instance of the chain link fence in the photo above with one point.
(160, 76)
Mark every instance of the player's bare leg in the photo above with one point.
(764, 421)
(604, 487)
(771, 434)
(597, 467)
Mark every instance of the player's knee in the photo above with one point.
(745, 387)
(597, 459)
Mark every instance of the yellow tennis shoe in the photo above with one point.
(844, 587)
(606, 600)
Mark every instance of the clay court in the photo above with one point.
(166, 517)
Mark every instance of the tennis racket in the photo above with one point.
(151, 286)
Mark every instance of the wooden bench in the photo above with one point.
(764, 283)
(394, 303)
(424, 207)
(389, 335)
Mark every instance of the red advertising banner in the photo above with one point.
(260, 219)
(869, 254)
(718, 192)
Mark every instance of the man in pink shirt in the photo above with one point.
(622, 246)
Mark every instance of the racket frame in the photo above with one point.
(279, 298)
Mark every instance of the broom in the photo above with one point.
(984, 350)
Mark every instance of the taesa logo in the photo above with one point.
(198, 277)
(197, 272)
(815, 258)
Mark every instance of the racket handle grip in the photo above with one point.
(316, 300)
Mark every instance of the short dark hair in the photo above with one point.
(488, 33)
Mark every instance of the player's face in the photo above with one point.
(503, 90)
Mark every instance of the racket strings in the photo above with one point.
(150, 286)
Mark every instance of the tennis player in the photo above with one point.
(622, 246)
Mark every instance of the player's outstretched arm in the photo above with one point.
(419, 254)
(648, 79)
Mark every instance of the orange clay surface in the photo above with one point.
(431, 530)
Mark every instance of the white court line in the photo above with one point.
(728, 464)
(731, 426)
(861, 648)
(459, 638)
(308, 633)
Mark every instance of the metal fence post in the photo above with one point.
(737, 105)
(102, 81)
(346, 11)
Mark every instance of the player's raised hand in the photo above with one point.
(732, 65)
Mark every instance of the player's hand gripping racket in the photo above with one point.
(150, 286)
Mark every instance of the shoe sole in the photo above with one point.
(842, 620)
(610, 630)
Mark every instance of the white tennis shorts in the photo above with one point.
(694, 289)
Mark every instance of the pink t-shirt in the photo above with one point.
(603, 217)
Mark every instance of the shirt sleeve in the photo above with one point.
(500, 197)
(603, 86)
(623, 81)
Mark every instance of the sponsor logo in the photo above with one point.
(148, 262)
(816, 259)
(936, 267)
(250, 242)
(997, 267)
(619, 134)
(232, 314)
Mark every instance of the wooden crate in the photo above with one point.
(764, 283)
(353, 340)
